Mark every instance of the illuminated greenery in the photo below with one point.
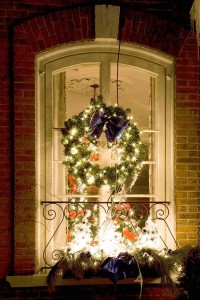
(80, 148)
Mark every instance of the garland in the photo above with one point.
(152, 263)
(81, 149)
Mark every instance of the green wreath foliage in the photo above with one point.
(79, 145)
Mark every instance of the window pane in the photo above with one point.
(58, 100)
(59, 184)
(78, 90)
(58, 150)
(144, 183)
(133, 92)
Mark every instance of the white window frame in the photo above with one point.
(161, 69)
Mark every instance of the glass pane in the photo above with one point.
(145, 182)
(149, 140)
(142, 183)
(58, 100)
(133, 92)
(78, 87)
(58, 150)
(59, 184)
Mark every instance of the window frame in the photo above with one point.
(158, 65)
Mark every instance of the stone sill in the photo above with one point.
(40, 281)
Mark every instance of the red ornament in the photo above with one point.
(130, 235)
(85, 140)
(72, 183)
(80, 213)
(94, 156)
(73, 214)
(69, 236)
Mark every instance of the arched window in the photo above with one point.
(65, 77)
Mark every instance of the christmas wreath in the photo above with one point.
(82, 136)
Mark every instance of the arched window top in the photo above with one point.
(145, 58)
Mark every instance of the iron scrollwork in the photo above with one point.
(62, 214)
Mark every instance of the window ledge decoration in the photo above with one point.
(102, 126)
(143, 263)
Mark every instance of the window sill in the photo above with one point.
(40, 281)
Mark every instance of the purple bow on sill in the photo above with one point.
(123, 266)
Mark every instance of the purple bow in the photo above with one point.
(123, 266)
(112, 126)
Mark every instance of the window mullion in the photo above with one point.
(105, 81)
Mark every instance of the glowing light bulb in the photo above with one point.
(65, 142)
(136, 150)
(179, 268)
(73, 131)
(91, 180)
(131, 213)
(74, 150)
(150, 258)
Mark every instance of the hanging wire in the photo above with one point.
(117, 86)
(94, 87)
(118, 55)
(117, 81)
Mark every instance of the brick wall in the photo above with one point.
(152, 31)
(187, 143)
(21, 39)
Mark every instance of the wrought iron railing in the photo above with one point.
(60, 215)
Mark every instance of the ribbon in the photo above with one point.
(123, 266)
(112, 126)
